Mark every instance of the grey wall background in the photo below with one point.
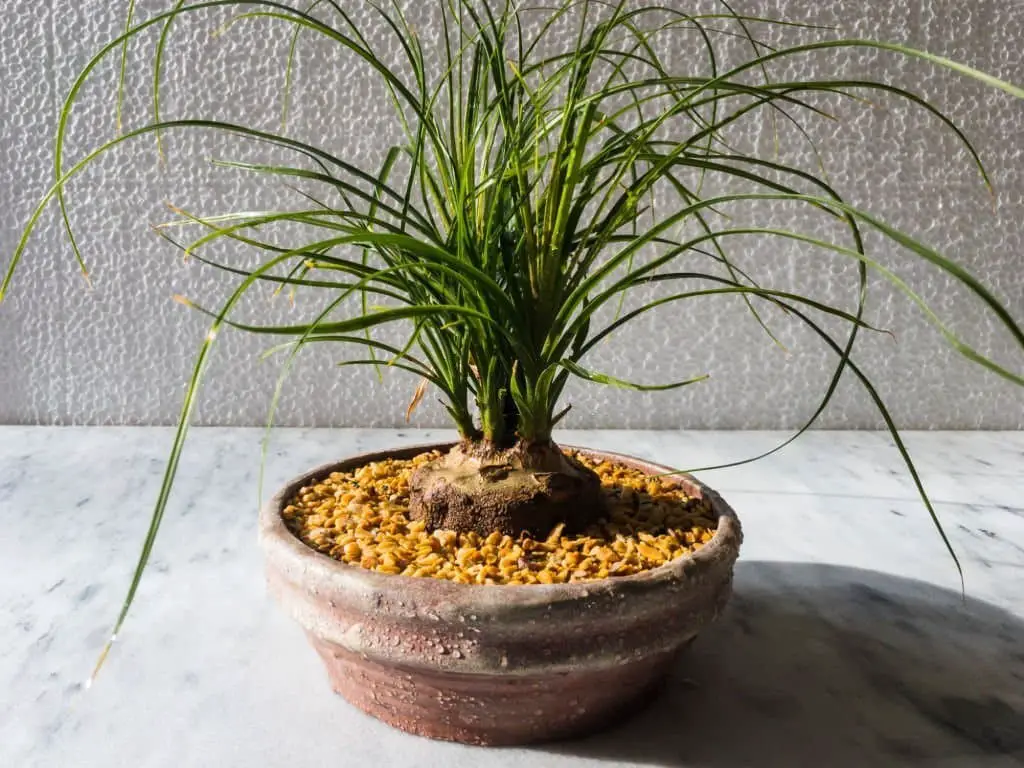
(121, 353)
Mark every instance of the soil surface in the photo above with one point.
(362, 518)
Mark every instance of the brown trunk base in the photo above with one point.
(529, 488)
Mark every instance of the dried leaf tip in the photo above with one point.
(99, 662)
(417, 398)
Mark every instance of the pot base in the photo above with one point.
(487, 710)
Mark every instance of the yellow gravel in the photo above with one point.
(360, 517)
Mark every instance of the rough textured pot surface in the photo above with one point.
(496, 664)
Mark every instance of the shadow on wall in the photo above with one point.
(816, 665)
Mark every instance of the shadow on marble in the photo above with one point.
(822, 665)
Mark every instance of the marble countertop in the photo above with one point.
(847, 642)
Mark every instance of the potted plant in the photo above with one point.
(506, 589)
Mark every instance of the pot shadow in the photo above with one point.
(820, 665)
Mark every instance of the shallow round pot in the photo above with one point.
(496, 664)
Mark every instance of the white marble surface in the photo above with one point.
(846, 642)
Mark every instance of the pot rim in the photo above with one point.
(288, 550)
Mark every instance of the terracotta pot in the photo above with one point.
(496, 664)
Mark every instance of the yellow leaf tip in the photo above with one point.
(99, 662)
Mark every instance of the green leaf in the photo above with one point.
(600, 378)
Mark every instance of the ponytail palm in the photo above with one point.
(523, 205)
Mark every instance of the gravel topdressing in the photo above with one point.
(360, 518)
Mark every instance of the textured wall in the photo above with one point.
(121, 353)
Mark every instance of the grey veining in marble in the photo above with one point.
(846, 644)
